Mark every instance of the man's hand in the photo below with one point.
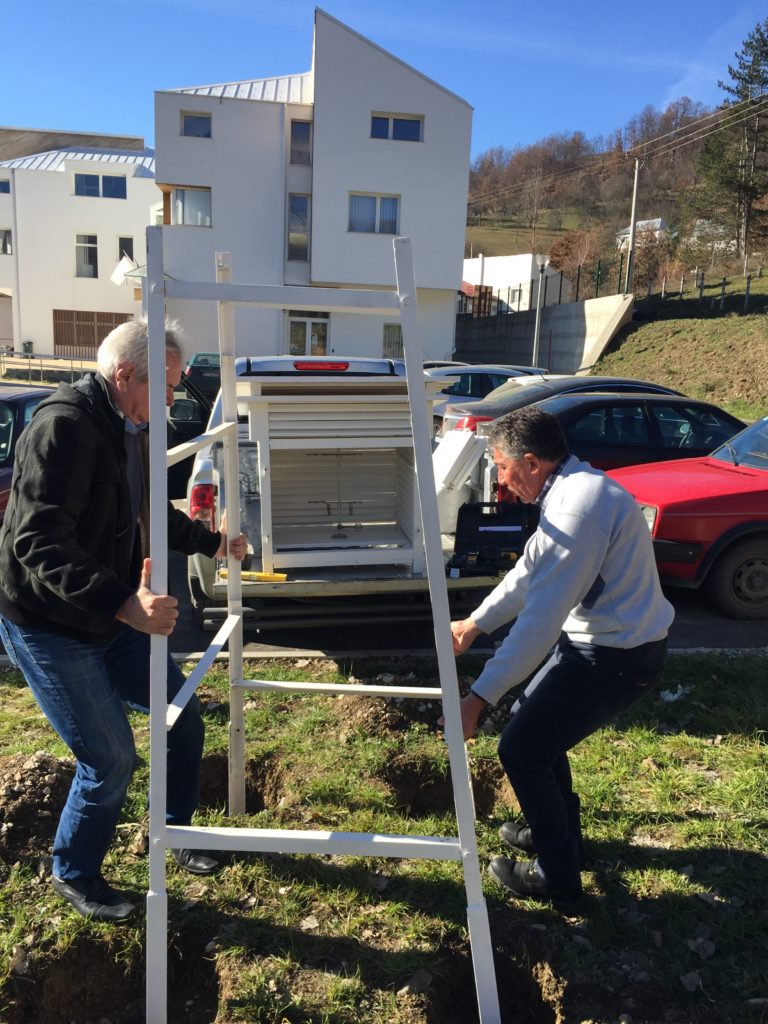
(464, 634)
(471, 708)
(237, 546)
(148, 612)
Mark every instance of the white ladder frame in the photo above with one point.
(162, 836)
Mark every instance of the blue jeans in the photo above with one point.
(580, 688)
(82, 690)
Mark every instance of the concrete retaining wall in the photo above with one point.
(571, 339)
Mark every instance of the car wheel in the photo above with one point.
(738, 581)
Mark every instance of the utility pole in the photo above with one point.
(631, 252)
(542, 262)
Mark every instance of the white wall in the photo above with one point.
(6, 322)
(353, 77)
(49, 217)
(501, 273)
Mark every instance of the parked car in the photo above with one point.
(470, 384)
(17, 403)
(614, 429)
(709, 521)
(520, 391)
(204, 371)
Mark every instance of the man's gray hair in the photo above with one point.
(528, 430)
(128, 342)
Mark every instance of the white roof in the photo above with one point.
(54, 159)
(285, 89)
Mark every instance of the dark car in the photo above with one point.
(709, 521)
(17, 403)
(522, 391)
(614, 429)
(204, 371)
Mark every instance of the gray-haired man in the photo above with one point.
(76, 611)
(587, 584)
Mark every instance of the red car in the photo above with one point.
(709, 520)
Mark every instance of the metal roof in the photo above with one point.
(53, 160)
(285, 89)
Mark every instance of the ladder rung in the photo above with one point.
(182, 451)
(351, 844)
(361, 689)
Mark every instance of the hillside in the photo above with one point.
(721, 359)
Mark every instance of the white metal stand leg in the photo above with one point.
(477, 914)
(157, 897)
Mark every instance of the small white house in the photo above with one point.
(514, 280)
(656, 228)
(67, 216)
(307, 179)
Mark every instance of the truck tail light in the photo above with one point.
(470, 422)
(202, 505)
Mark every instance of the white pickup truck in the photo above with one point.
(328, 497)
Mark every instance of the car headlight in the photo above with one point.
(650, 513)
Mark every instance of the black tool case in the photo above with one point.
(490, 537)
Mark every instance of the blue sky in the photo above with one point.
(528, 69)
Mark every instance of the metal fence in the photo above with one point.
(24, 366)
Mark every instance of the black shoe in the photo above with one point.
(93, 897)
(522, 878)
(518, 836)
(197, 862)
(521, 838)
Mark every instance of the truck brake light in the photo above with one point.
(335, 367)
(202, 505)
(470, 422)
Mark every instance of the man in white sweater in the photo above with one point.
(587, 586)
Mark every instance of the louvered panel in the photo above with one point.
(329, 487)
(405, 508)
(351, 420)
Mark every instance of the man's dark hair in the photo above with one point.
(528, 430)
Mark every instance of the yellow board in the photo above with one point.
(258, 577)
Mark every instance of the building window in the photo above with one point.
(307, 333)
(399, 128)
(108, 186)
(301, 142)
(86, 256)
(125, 247)
(298, 227)
(192, 206)
(393, 341)
(197, 126)
(374, 214)
(5, 185)
(6, 242)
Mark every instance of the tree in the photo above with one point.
(733, 167)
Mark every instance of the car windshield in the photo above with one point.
(749, 448)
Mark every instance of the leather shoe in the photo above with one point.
(521, 838)
(518, 836)
(197, 862)
(524, 878)
(93, 897)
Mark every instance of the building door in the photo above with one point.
(307, 333)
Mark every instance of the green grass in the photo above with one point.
(675, 797)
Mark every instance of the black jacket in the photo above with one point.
(69, 553)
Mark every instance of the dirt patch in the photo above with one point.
(264, 783)
(33, 789)
(422, 787)
(91, 982)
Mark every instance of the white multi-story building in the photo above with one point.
(67, 216)
(306, 180)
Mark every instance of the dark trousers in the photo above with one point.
(579, 689)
